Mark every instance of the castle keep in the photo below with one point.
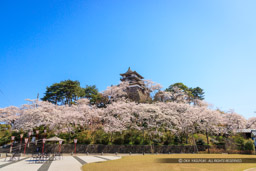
(137, 90)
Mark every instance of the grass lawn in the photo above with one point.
(148, 163)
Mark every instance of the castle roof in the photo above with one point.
(129, 72)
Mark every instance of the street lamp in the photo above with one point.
(29, 134)
(44, 140)
(45, 133)
(12, 138)
(37, 133)
(75, 141)
(60, 142)
(21, 136)
(26, 141)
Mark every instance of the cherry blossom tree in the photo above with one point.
(176, 95)
(9, 114)
(152, 87)
(251, 123)
(233, 122)
(178, 118)
(117, 92)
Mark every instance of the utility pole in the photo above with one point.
(37, 98)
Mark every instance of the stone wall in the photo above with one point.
(82, 148)
(137, 95)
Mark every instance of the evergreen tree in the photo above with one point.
(65, 92)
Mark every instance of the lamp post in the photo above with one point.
(45, 133)
(12, 138)
(75, 141)
(60, 142)
(29, 134)
(21, 136)
(43, 145)
(37, 133)
(26, 141)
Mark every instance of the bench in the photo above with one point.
(13, 156)
(16, 155)
(8, 155)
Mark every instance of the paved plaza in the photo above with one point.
(67, 163)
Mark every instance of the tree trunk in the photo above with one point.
(207, 140)
(111, 137)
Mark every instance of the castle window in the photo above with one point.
(134, 75)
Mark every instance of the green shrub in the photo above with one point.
(101, 137)
(201, 139)
(5, 134)
(84, 137)
(133, 137)
(249, 145)
(118, 141)
(137, 140)
(239, 141)
(200, 142)
(127, 138)
(146, 141)
(176, 140)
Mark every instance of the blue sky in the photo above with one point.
(210, 44)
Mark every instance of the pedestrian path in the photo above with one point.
(67, 163)
(251, 169)
(22, 164)
(91, 159)
(3, 162)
